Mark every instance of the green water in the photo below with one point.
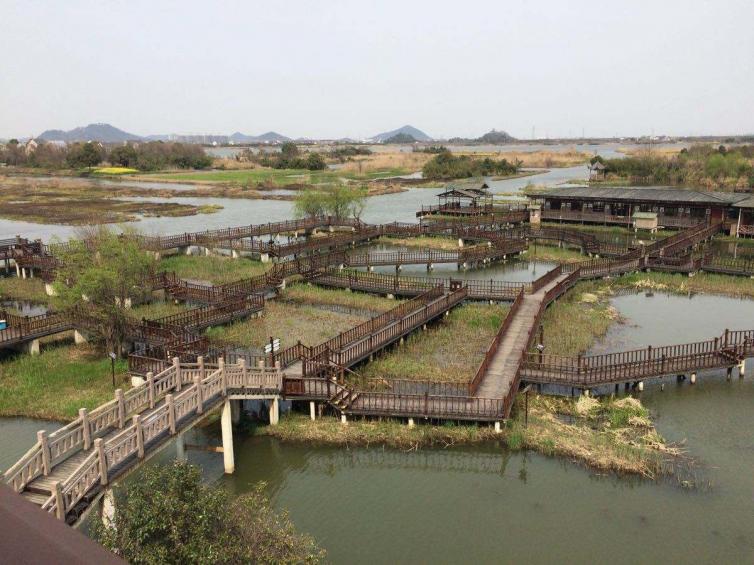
(487, 505)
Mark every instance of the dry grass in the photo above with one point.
(542, 159)
(306, 294)
(449, 351)
(409, 162)
(215, 269)
(423, 241)
(23, 289)
(287, 322)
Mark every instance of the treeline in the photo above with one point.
(699, 165)
(340, 201)
(445, 165)
(150, 156)
(290, 157)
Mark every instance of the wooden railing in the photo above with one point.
(187, 390)
(722, 351)
(494, 346)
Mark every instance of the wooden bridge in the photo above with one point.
(65, 470)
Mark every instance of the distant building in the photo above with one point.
(597, 170)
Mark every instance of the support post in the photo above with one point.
(497, 428)
(84, 416)
(343, 419)
(171, 413)
(199, 399)
(411, 423)
(312, 410)
(121, 408)
(57, 490)
(150, 388)
(178, 377)
(99, 446)
(692, 379)
(45, 448)
(235, 411)
(274, 412)
(227, 432)
(741, 368)
(139, 436)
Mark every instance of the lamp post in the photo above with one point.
(113, 357)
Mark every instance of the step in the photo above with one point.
(36, 498)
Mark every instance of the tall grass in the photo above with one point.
(218, 270)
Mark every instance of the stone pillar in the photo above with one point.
(264, 257)
(108, 508)
(640, 386)
(741, 368)
(226, 424)
(692, 380)
(460, 242)
(497, 428)
(49, 290)
(312, 410)
(18, 270)
(137, 381)
(79, 337)
(32, 347)
(235, 411)
(180, 448)
(411, 423)
(343, 419)
(274, 412)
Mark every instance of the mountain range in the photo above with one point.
(93, 132)
(417, 134)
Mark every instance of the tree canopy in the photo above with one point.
(101, 273)
(340, 201)
(445, 165)
(169, 516)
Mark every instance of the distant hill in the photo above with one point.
(269, 137)
(104, 133)
(416, 134)
(495, 136)
(401, 138)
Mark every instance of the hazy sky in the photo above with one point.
(332, 69)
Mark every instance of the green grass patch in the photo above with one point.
(55, 384)
(427, 242)
(710, 283)
(553, 253)
(23, 289)
(277, 177)
(158, 309)
(305, 294)
(218, 270)
(114, 171)
(449, 351)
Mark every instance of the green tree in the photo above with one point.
(168, 516)
(340, 201)
(84, 155)
(315, 162)
(101, 273)
(123, 155)
(310, 203)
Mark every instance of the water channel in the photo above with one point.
(485, 504)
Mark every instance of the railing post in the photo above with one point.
(199, 399)
(139, 436)
(57, 491)
(84, 416)
(171, 412)
(726, 338)
(150, 388)
(99, 445)
(45, 448)
(200, 363)
(177, 369)
(121, 408)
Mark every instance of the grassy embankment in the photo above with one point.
(607, 434)
(302, 313)
(15, 288)
(214, 269)
(56, 383)
(449, 351)
(79, 202)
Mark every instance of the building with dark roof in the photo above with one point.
(675, 208)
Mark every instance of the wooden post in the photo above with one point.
(59, 500)
(45, 448)
(99, 445)
(84, 416)
(177, 368)
(150, 386)
(139, 436)
(171, 413)
(121, 408)
(199, 399)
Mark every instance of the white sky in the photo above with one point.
(337, 68)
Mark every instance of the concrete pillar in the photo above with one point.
(23, 272)
(728, 373)
(137, 381)
(639, 386)
(692, 379)
(18, 270)
(32, 347)
(343, 419)
(391, 297)
(274, 412)
(411, 423)
(108, 508)
(312, 410)
(180, 447)
(226, 423)
(264, 257)
(31, 273)
(741, 368)
(235, 254)
(497, 428)
(50, 290)
(235, 411)
(79, 338)
(460, 242)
